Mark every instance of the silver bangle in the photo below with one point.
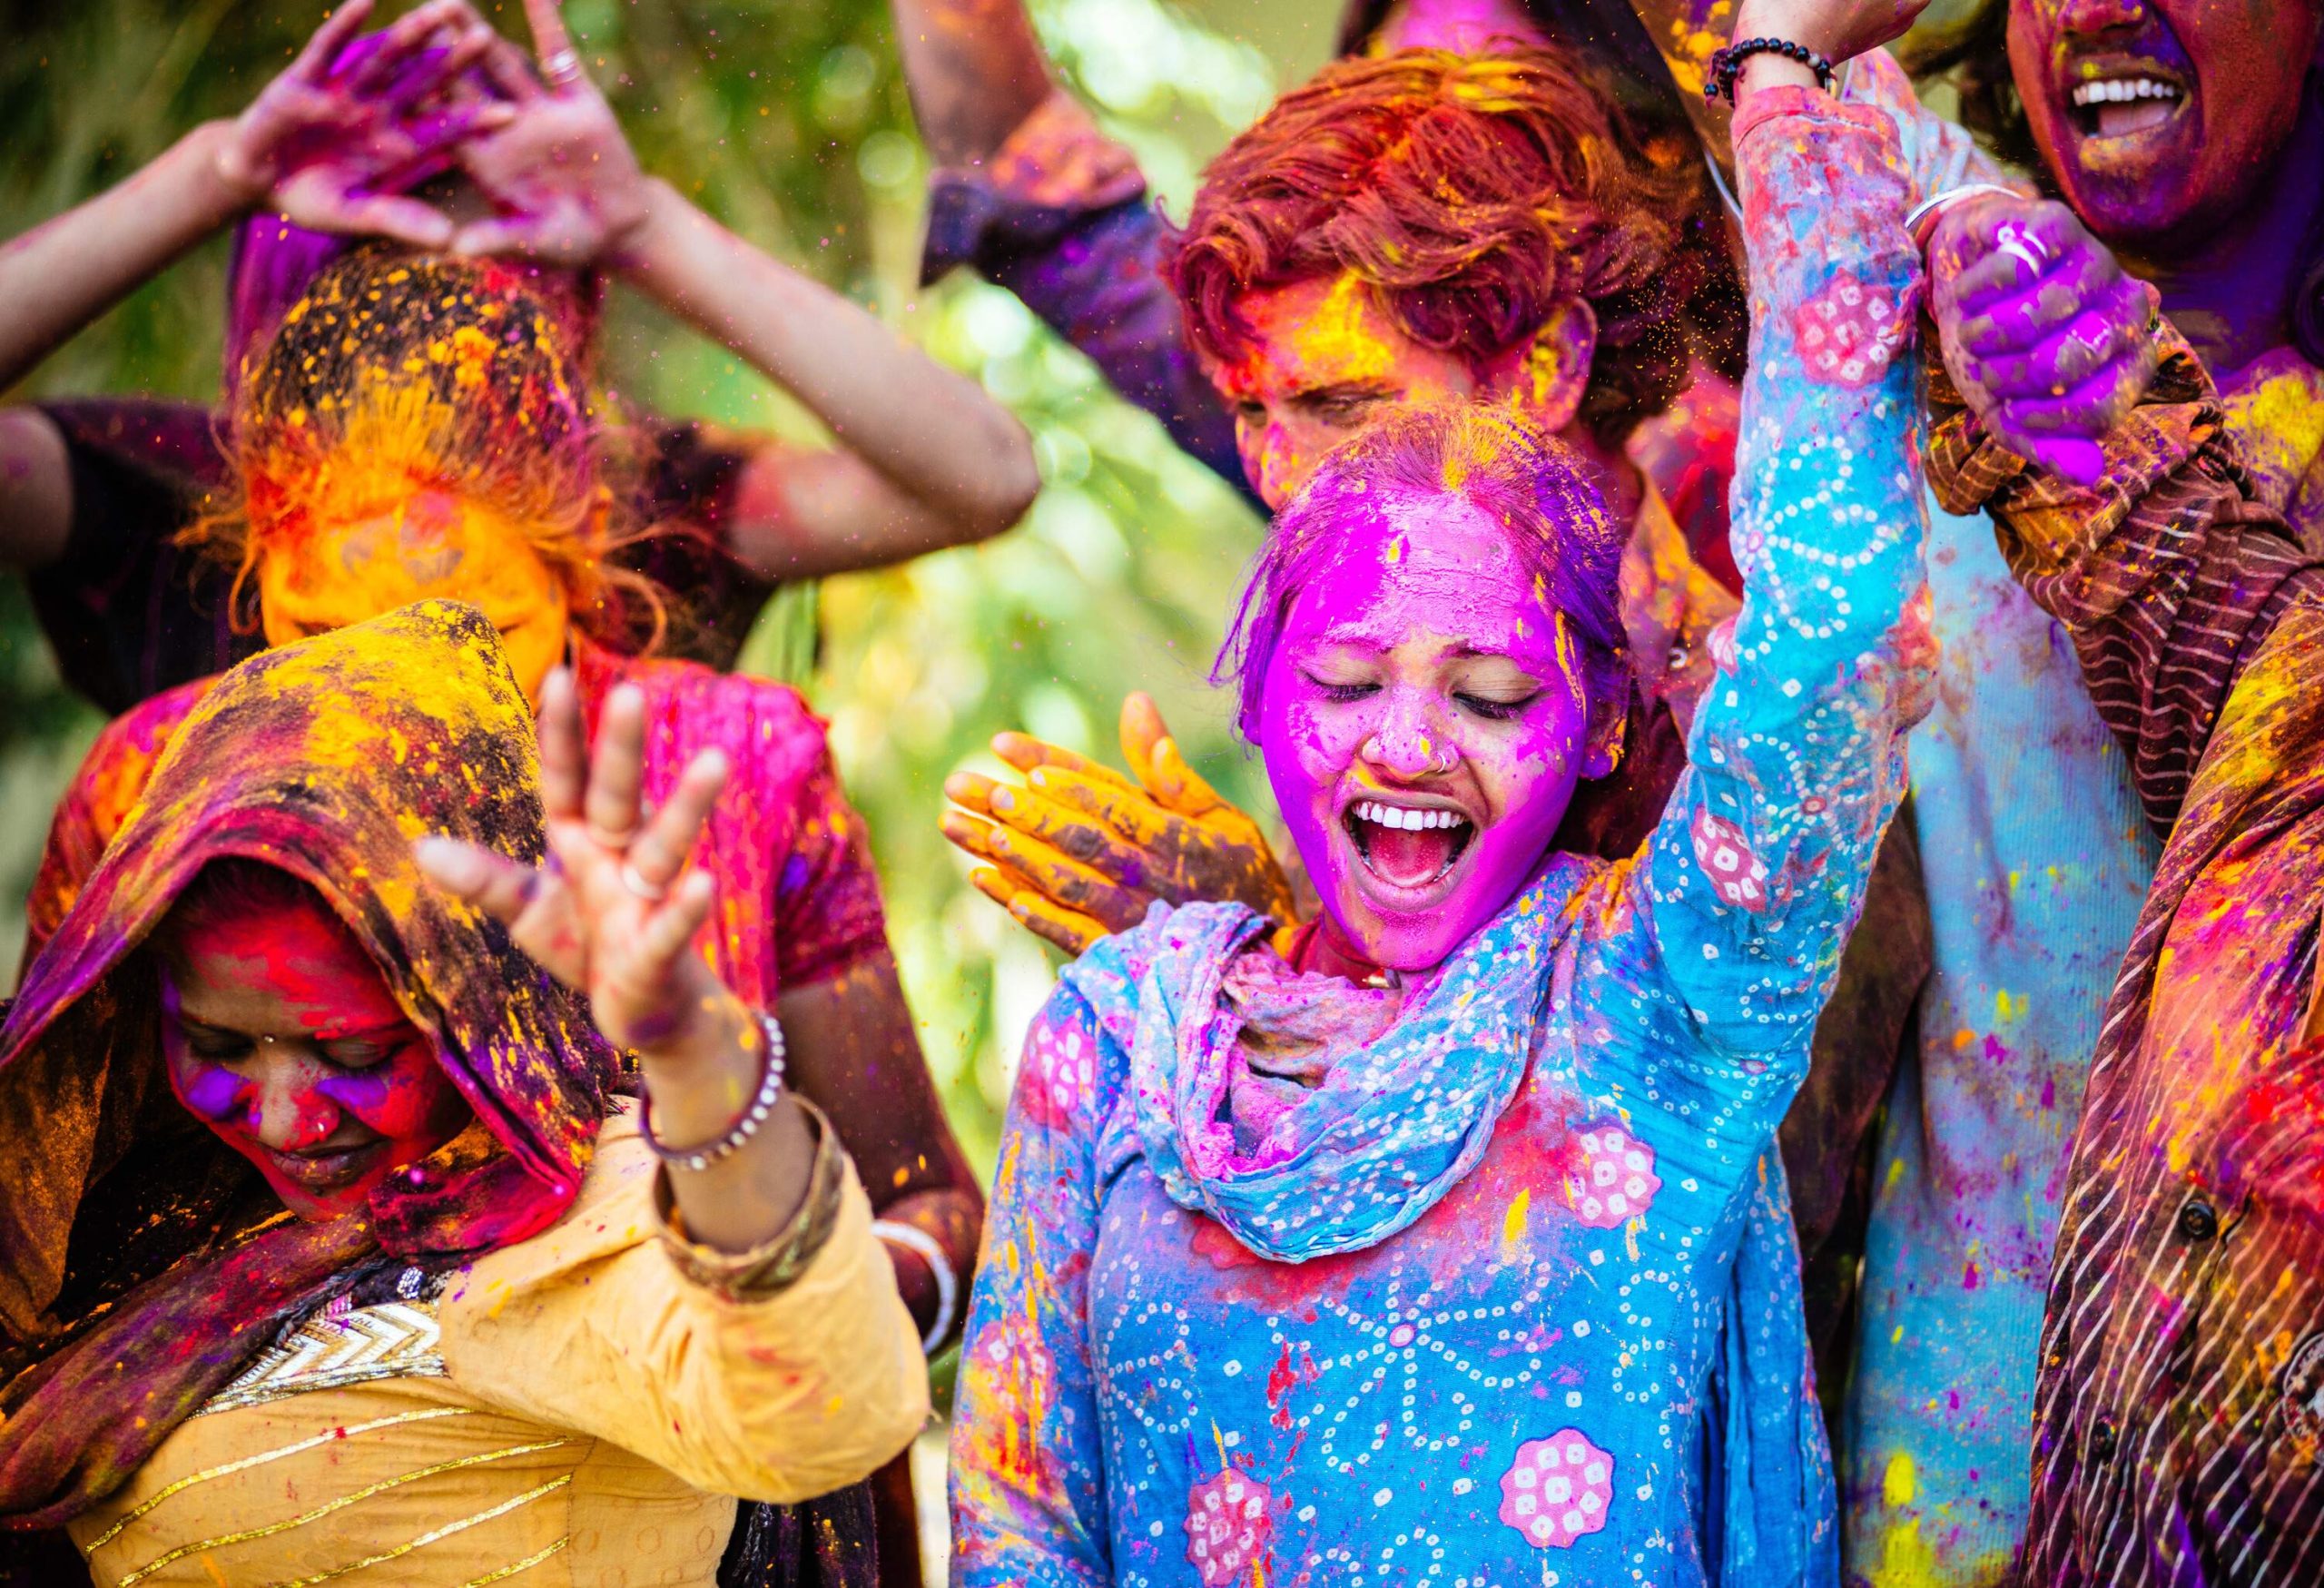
(1967, 190)
(770, 1092)
(948, 1284)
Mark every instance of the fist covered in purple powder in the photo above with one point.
(2049, 341)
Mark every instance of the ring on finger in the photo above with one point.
(634, 881)
(613, 840)
(563, 68)
(2019, 243)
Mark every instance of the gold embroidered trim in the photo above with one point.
(526, 1564)
(224, 1540)
(395, 1339)
(246, 1461)
(449, 1528)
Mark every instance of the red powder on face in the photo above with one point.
(333, 1086)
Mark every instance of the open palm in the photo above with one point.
(561, 176)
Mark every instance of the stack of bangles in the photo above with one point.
(1718, 77)
(916, 1241)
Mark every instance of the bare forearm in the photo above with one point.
(745, 1200)
(975, 69)
(931, 433)
(60, 276)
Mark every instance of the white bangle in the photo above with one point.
(770, 1091)
(1929, 206)
(948, 1284)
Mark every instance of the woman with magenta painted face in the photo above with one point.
(1416, 1254)
(334, 1239)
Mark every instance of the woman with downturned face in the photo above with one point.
(1418, 1245)
(342, 1236)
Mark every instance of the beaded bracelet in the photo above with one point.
(761, 1106)
(1719, 80)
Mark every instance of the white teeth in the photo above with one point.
(1404, 820)
(2122, 91)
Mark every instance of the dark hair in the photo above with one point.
(231, 886)
(1534, 486)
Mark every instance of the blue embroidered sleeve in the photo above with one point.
(1723, 935)
(1028, 1495)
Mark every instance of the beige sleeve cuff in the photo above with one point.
(777, 1263)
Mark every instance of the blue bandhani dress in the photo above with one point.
(1482, 1281)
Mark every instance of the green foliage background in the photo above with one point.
(788, 119)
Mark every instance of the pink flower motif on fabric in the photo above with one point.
(1558, 1489)
(1720, 643)
(1848, 332)
(1060, 1075)
(1615, 1181)
(1229, 1527)
(1738, 876)
(1010, 1345)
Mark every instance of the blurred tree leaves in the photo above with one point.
(788, 119)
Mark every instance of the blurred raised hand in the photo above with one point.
(2049, 341)
(613, 915)
(1078, 851)
(1839, 29)
(327, 143)
(560, 174)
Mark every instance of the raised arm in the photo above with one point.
(1028, 193)
(975, 71)
(311, 145)
(568, 191)
(1744, 895)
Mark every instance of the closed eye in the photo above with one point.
(357, 1055)
(1341, 693)
(1495, 710)
(215, 1044)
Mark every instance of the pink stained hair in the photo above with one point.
(1527, 480)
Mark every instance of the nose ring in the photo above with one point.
(1373, 750)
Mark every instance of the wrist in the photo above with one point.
(1761, 73)
(633, 251)
(218, 172)
(1775, 22)
(714, 1033)
(699, 1112)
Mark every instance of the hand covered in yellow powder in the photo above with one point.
(1080, 851)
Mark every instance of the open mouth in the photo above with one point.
(1407, 846)
(2125, 104)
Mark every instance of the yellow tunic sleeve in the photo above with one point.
(590, 1328)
